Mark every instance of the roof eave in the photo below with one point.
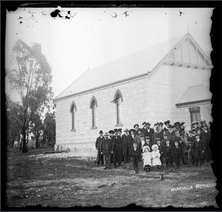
(193, 102)
(102, 86)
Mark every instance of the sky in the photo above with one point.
(94, 36)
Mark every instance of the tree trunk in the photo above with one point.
(24, 148)
(37, 140)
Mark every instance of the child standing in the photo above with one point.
(199, 150)
(177, 154)
(160, 148)
(155, 157)
(146, 158)
(168, 153)
(135, 153)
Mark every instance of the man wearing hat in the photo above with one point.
(167, 123)
(157, 134)
(161, 126)
(111, 133)
(205, 137)
(98, 148)
(171, 133)
(144, 127)
(106, 150)
(117, 149)
(194, 124)
(136, 128)
(127, 145)
(177, 138)
(165, 137)
(149, 131)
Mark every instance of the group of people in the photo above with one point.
(165, 143)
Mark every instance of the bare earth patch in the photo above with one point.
(73, 179)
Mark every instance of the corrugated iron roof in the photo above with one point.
(136, 64)
(196, 93)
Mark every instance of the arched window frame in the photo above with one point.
(118, 99)
(93, 105)
(73, 110)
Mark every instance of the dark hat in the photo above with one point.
(115, 130)
(197, 134)
(147, 137)
(177, 123)
(136, 125)
(205, 125)
(165, 132)
(119, 130)
(111, 131)
(132, 130)
(141, 135)
(126, 130)
(170, 126)
(147, 123)
(194, 122)
(210, 122)
(157, 139)
(100, 132)
(167, 122)
(161, 124)
(144, 123)
(202, 122)
(157, 124)
(182, 123)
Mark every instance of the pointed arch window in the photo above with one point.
(93, 106)
(73, 110)
(118, 99)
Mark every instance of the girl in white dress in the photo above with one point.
(155, 157)
(146, 158)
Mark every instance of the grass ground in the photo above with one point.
(65, 180)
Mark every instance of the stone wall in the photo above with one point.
(151, 98)
(83, 138)
(166, 87)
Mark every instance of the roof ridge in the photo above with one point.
(73, 83)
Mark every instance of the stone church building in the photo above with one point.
(168, 81)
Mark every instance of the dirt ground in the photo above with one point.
(67, 180)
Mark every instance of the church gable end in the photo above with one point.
(187, 53)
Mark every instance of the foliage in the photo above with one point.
(31, 78)
(12, 125)
(49, 128)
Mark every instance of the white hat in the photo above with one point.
(154, 145)
(146, 147)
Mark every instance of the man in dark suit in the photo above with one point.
(205, 137)
(144, 127)
(117, 149)
(106, 150)
(127, 145)
(171, 133)
(167, 123)
(98, 147)
(136, 128)
(111, 133)
(157, 134)
(149, 131)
